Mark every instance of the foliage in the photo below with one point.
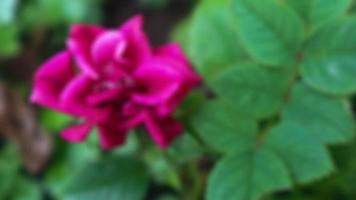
(273, 119)
(286, 66)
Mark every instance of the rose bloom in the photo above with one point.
(115, 81)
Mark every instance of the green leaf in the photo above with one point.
(60, 12)
(7, 11)
(185, 148)
(79, 10)
(328, 118)
(9, 168)
(58, 177)
(270, 30)
(55, 121)
(26, 189)
(8, 40)
(161, 168)
(253, 90)
(110, 179)
(330, 59)
(131, 146)
(214, 44)
(86, 151)
(247, 176)
(223, 128)
(288, 151)
(167, 197)
(318, 12)
(70, 158)
(304, 155)
(181, 32)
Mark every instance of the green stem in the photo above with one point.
(199, 139)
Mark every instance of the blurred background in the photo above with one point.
(34, 162)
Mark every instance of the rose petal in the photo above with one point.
(120, 85)
(73, 97)
(108, 47)
(51, 79)
(175, 55)
(132, 121)
(171, 58)
(173, 51)
(74, 100)
(80, 41)
(111, 136)
(105, 96)
(163, 131)
(138, 47)
(171, 104)
(77, 133)
(159, 83)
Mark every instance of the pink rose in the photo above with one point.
(115, 81)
